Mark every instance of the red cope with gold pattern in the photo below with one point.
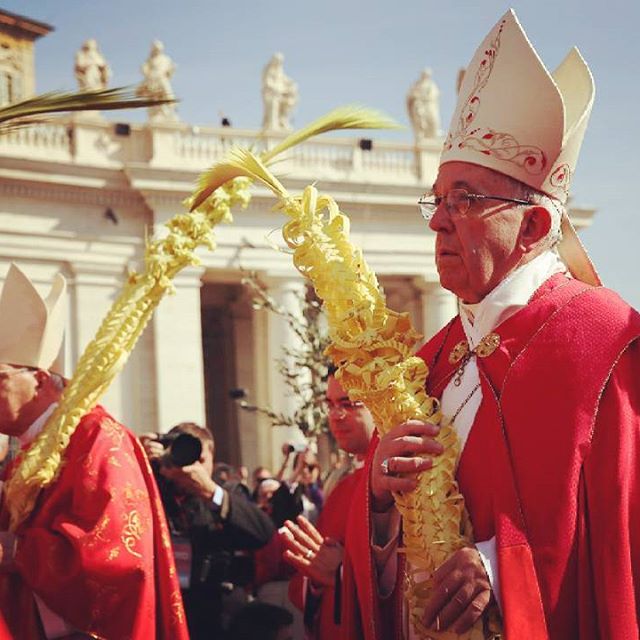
(96, 549)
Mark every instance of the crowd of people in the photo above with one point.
(106, 535)
(274, 539)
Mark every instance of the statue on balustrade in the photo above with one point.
(279, 94)
(157, 71)
(91, 69)
(423, 105)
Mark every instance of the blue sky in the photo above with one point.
(371, 52)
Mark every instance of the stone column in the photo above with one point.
(286, 292)
(177, 339)
(438, 307)
(92, 290)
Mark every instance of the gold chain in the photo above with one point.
(464, 402)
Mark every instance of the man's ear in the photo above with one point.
(536, 224)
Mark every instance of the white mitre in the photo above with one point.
(32, 327)
(515, 117)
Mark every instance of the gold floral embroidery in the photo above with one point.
(114, 462)
(98, 533)
(113, 554)
(176, 606)
(114, 431)
(132, 532)
(134, 496)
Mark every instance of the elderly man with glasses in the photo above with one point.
(538, 374)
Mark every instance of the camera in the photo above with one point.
(182, 449)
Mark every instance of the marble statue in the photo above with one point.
(279, 94)
(424, 107)
(157, 72)
(91, 69)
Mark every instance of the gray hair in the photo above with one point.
(555, 208)
(58, 381)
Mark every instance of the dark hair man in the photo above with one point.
(317, 552)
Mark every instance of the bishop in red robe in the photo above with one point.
(94, 557)
(537, 372)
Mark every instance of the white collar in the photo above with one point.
(34, 430)
(513, 293)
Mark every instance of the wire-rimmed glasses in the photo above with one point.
(456, 202)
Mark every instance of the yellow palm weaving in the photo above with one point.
(106, 355)
(373, 346)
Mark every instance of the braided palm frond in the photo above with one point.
(373, 347)
(106, 355)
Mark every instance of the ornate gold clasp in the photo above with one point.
(462, 354)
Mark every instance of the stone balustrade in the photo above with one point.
(40, 141)
(96, 142)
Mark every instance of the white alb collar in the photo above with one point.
(509, 296)
(34, 430)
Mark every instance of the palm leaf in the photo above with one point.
(349, 117)
(237, 162)
(27, 111)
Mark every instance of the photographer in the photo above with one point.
(304, 480)
(209, 522)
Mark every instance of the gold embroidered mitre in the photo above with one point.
(515, 117)
(32, 327)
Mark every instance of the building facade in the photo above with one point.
(81, 194)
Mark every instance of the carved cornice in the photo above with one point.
(70, 194)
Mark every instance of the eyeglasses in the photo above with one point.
(456, 202)
(342, 407)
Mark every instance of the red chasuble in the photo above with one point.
(552, 464)
(96, 549)
(332, 523)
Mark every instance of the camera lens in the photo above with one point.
(185, 450)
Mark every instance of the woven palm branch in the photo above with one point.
(373, 347)
(31, 110)
(106, 355)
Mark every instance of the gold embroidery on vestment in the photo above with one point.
(132, 532)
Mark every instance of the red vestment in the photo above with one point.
(551, 467)
(96, 548)
(332, 523)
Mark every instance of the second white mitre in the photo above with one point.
(32, 327)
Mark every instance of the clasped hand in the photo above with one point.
(462, 589)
